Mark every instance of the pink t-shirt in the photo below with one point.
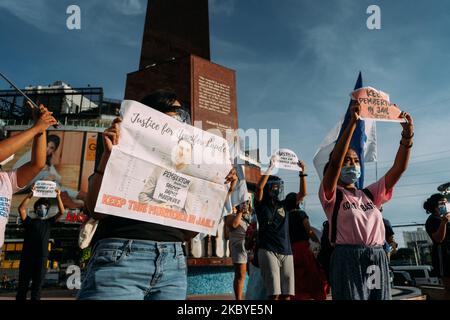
(8, 186)
(359, 220)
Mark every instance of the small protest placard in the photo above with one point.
(172, 188)
(286, 159)
(376, 105)
(44, 189)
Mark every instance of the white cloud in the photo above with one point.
(36, 13)
(222, 6)
(99, 19)
(130, 7)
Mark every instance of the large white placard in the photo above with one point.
(165, 172)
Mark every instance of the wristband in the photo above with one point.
(406, 137)
(407, 147)
(301, 175)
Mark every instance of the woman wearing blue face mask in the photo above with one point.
(359, 266)
(437, 227)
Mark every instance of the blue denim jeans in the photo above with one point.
(135, 270)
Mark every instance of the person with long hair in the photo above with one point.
(310, 281)
(359, 267)
(134, 259)
(438, 228)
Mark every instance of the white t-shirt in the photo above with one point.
(8, 186)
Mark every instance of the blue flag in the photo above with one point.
(359, 136)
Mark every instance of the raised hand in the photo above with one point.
(111, 135)
(43, 118)
(301, 165)
(232, 179)
(355, 111)
(408, 126)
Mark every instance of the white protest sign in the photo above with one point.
(165, 172)
(286, 159)
(172, 188)
(44, 189)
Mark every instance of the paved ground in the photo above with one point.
(399, 293)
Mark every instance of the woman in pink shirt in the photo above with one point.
(359, 265)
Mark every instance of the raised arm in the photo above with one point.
(24, 205)
(332, 174)
(43, 120)
(263, 181)
(403, 153)
(60, 206)
(303, 192)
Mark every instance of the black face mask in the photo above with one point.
(276, 194)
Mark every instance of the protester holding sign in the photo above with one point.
(274, 254)
(12, 182)
(33, 261)
(359, 265)
(137, 260)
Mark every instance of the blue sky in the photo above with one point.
(296, 63)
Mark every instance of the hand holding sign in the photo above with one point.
(111, 135)
(301, 164)
(408, 125)
(375, 105)
(44, 189)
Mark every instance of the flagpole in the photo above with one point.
(56, 126)
(376, 170)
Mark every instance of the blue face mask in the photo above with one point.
(350, 174)
(444, 209)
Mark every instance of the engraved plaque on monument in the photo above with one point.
(213, 95)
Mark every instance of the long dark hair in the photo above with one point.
(291, 202)
(160, 100)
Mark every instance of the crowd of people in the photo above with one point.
(269, 233)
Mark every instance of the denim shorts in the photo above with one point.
(123, 269)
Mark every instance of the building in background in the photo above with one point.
(84, 114)
(420, 244)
